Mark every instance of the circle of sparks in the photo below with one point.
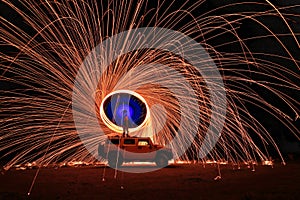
(97, 62)
(45, 43)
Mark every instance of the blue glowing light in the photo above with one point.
(116, 104)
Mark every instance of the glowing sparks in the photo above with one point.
(37, 123)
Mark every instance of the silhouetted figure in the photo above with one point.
(125, 124)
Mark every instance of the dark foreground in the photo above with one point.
(174, 182)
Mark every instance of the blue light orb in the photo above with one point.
(116, 104)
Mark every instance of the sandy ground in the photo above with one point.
(173, 182)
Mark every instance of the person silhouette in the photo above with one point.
(125, 124)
